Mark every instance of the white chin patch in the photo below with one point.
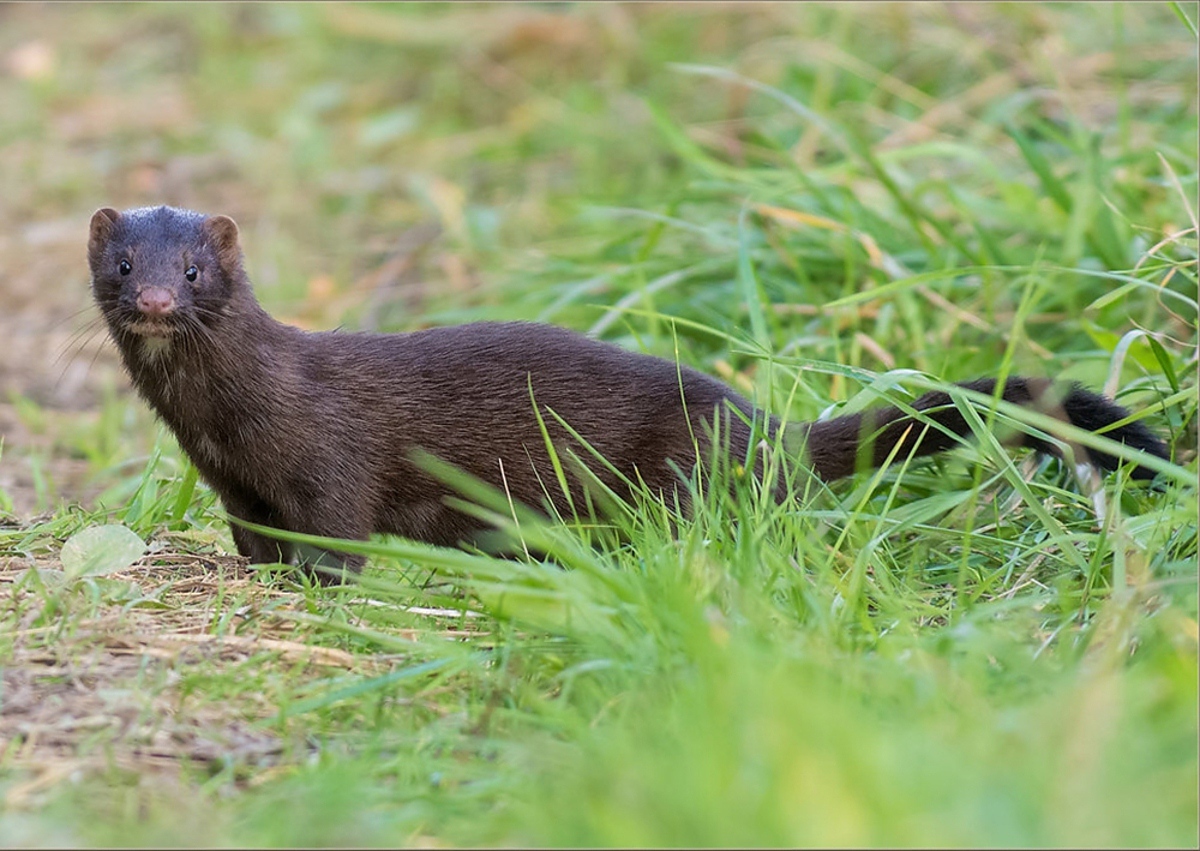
(155, 347)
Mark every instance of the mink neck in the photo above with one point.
(210, 363)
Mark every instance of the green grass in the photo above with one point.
(811, 202)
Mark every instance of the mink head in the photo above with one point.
(157, 270)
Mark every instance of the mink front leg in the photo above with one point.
(257, 547)
(328, 515)
(323, 517)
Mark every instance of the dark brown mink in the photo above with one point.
(316, 432)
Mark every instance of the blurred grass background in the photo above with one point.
(795, 197)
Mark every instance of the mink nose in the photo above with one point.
(155, 301)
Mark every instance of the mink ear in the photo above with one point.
(222, 234)
(104, 222)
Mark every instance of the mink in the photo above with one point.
(318, 432)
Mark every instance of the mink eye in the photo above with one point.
(191, 273)
(124, 268)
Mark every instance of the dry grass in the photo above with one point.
(115, 688)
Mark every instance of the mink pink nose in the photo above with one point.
(155, 301)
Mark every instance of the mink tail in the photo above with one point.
(834, 446)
